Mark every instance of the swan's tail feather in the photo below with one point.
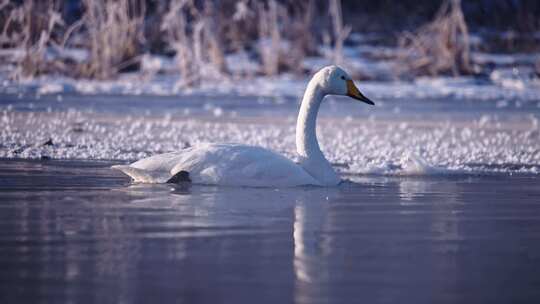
(141, 175)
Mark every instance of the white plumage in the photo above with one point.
(243, 165)
(221, 164)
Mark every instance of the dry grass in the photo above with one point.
(29, 28)
(439, 47)
(191, 33)
(114, 31)
(270, 38)
(285, 35)
(340, 31)
(111, 29)
(199, 33)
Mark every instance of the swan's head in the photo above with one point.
(335, 81)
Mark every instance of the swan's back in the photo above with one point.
(222, 164)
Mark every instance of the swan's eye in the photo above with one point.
(343, 77)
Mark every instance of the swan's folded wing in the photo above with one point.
(143, 176)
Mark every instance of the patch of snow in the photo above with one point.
(515, 78)
(156, 63)
(503, 84)
(240, 63)
(11, 55)
(52, 88)
(412, 164)
(78, 55)
(504, 59)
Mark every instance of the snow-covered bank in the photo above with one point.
(507, 77)
(503, 87)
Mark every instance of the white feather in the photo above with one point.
(242, 165)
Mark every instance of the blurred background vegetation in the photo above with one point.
(433, 37)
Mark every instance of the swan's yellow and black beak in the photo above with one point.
(352, 91)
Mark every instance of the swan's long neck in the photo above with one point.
(307, 146)
(306, 126)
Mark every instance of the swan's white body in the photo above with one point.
(242, 165)
(222, 164)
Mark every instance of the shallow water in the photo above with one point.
(78, 232)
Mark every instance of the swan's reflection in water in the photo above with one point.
(302, 271)
(311, 243)
(436, 240)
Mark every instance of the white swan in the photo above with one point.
(242, 165)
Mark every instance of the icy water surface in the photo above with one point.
(78, 232)
(403, 136)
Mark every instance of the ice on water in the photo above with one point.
(397, 144)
